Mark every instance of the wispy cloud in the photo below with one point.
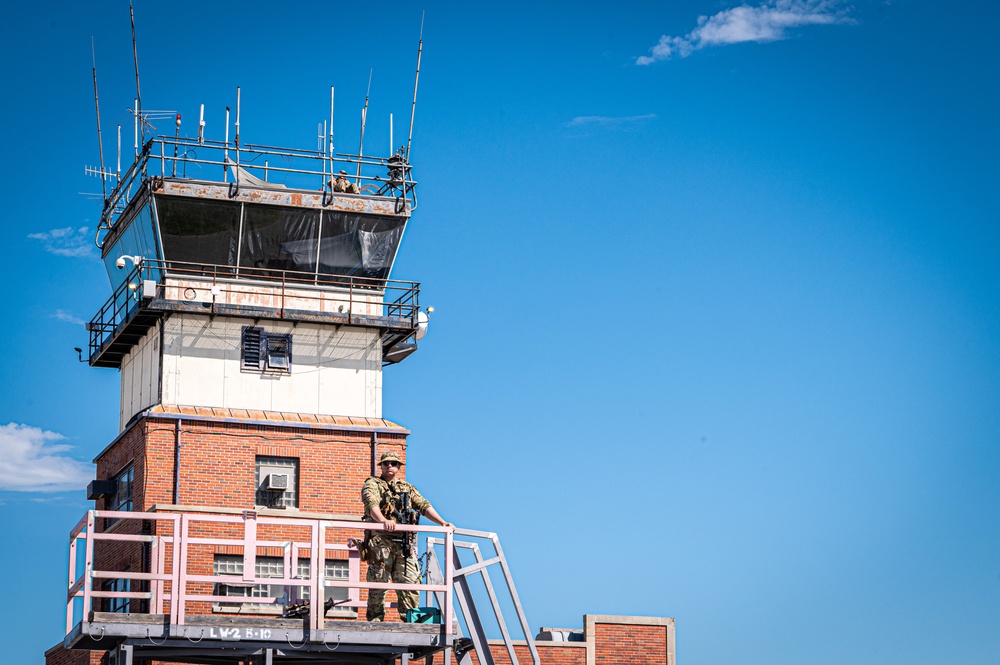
(67, 317)
(605, 121)
(30, 461)
(768, 22)
(67, 241)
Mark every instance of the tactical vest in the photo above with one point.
(391, 501)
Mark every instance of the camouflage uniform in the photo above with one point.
(342, 184)
(385, 549)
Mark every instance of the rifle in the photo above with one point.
(406, 515)
(302, 609)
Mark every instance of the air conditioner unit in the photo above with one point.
(277, 482)
(99, 488)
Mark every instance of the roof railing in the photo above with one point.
(156, 284)
(250, 166)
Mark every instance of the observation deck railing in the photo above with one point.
(157, 286)
(178, 542)
(153, 569)
(248, 165)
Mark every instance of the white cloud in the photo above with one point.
(31, 462)
(603, 120)
(67, 317)
(67, 241)
(765, 23)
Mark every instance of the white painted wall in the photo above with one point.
(334, 371)
(140, 377)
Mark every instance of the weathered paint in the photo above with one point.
(359, 203)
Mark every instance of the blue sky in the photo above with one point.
(716, 293)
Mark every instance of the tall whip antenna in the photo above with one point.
(135, 59)
(97, 106)
(364, 118)
(416, 81)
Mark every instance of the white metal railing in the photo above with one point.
(177, 542)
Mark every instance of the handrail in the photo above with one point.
(462, 573)
(356, 298)
(185, 535)
(303, 170)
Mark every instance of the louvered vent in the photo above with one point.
(252, 348)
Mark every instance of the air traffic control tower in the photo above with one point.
(251, 317)
(241, 292)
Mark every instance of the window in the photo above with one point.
(122, 498)
(271, 566)
(117, 604)
(263, 351)
(277, 482)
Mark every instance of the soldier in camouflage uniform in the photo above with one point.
(342, 184)
(381, 496)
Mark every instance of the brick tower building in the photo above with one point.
(251, 317)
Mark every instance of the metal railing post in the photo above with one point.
(317, 591)
(449, 582)
(179, 577)
(88, 569)
(70, 596)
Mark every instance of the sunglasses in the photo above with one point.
(390, 463)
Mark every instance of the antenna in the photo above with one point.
(97, 106)
(225, 150)
(119, 169)
(201, 126)
(236, 140)
(138, 94)
(391, 149)
(177, 133)
(331, 128)
(135, 141)
(416, 81)
(364, 118)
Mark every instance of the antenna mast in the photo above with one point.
(135, 59)
(364, 118)
(330, 149)
(416, 81)
(97, 106)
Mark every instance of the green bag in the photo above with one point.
(423, 615)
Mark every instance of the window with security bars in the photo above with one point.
(268, 566)
(262, 351)
(277, 482)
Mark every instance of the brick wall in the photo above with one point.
(217, 469)
(217, 462)
(548, 653)
(616, 640)
(622, 644)
(608, 640)
(59, 656)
